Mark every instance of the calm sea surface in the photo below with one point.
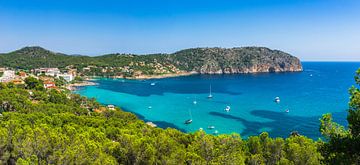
(321, 88)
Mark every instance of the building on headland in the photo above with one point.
(49, 84)
(68, 77)
(55, 72)
(111, 107)
(47, 71)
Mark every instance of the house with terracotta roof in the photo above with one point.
(49, 84)
(22, 74)
(18, 81)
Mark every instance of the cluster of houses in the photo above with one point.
(47, 75)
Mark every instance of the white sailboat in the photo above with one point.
(210, 95)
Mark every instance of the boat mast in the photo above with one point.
(190, 114)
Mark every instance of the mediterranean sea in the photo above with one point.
(304, 97)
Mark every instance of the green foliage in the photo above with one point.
(343, 146)
(33, 83)
(60, 81)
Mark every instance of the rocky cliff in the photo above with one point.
(235, 60)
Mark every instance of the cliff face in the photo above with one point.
(236, 60)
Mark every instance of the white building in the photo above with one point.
(68, 77)
(48, 71)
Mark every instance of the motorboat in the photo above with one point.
(189, 121)
(277, 100)
(211, 127)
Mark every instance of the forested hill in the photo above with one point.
(200, 60)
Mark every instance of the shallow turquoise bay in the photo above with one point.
(321, 88)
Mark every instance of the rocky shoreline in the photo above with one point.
(80, 84)
(143, 77)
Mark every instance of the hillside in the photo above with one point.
(197, 60)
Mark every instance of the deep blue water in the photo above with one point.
(321, 88)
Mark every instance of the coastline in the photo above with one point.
(169, 75)
(143, 77)
(73, 87)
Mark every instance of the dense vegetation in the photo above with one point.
(39, 126)
(201, 60)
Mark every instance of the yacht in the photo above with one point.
(277, 100)
(227, 108)
(152, 84)
(189, 121)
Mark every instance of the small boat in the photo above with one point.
(277, 100)
(216, 132)
(200, 129)
(287, 110)
(227, 108)
(149, 107)
(189, 121)
(152, 84)
(122, 80)
(210, 95)
(211, 127)
(195, 102)
(311, 75)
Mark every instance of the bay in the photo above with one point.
(321, 88)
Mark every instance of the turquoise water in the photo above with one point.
(321, 88)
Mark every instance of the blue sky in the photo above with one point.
(325, 30)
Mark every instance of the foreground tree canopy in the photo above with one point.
(40, 126)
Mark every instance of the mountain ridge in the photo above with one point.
(204, 60)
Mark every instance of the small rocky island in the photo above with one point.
(184, 62)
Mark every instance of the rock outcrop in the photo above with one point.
(235, 60)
